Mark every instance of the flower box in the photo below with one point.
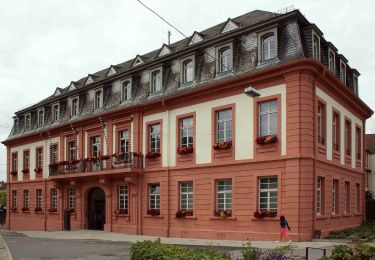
(152, 155)
(267, 139)
(38, 209)
(223, 213)
(38, 170)
(185, 150)
(62, 163)
(222, 145)
(25, 209)
(13, 173)
(104, 157)
(91, 159)
(74, 161)
(153, 212)
(25, 171)
(52, 210)
(14, 209)
(138, 154)
(184, 213)
(72, 210)
(121, 212)
(265, 214)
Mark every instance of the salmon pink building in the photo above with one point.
(214, 136)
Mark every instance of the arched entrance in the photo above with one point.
(96, 209)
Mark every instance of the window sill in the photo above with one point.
(39, 212)
(345, 215)
(357, 214)
(28, 211)
(265, 219)
(122, 215)
(53, 213)
(187, 84)
(149, 216)
(224, 73)
(223, 218)
(155, 94)
(187, 217)
(335, 216)
(321, 217)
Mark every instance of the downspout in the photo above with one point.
(139, 182)
(363, 166)
(168, 174)
(315, 149)
(45, 204)
(8, 189)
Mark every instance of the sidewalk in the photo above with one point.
(4, 250)
(121, 237)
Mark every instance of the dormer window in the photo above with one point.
(268, 47)
(225, 59)
(98, 99)
(187, 71)
(41, 117)
(55, 112)
(155, 81)
(15, 124)
(331, 61)
(316, 47)
(75, 106)
(355, 84)
(126, 91)
(27, 122)
(343, 72)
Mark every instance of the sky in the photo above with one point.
(47, 44)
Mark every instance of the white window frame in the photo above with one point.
(331, 61)
(224, 62)
(315, 48)
(268, 113)
(14, 161)
(74, 108)
(98, 99)
(188, 129)
(39, 157)
(321, 116)
(347, 198)
(334, 196)
(41, 117)
(154, 138)
(55, 112)
(343, 72)
(268, 53)
(96, 142)
(154, 197)
(224, 195)
(14, 198)
(28, 121)
(123, 197)
(156, 87)
(26, 159)
(355, 84)
(186, 195)
(319, 195)
(335, 127)
(26, 200)
(268, 192)
(54, 198)
(263, 35)
(187, 76)
(126, 91)
(39, 198)
(72, 151)
(71, 198)
(227, 126)
(123, 136)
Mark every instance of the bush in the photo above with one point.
(154, 250)
(364, 232)
(357, 252)
(251, 253)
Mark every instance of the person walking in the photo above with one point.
(2, 215)
(283, 226)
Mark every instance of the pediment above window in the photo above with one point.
(195, 38)
(89, 80)
(229, 26)
(72, 86)
(57, 92)
(164, 50)
(112, 70)
(137, 61)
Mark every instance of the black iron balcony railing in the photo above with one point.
(123, 160)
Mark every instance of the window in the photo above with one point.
(14, 199)
(343, 72)
(335, 197)
(154, 138)
(186, 132)
(39, 198)
(14, 162)
(268, 47)
(72, 151)
(348, 138)
(268, 193)
(316, 47)
(124, 141)
(225, 59)
(331, 61)
(319, 196)
(95, 146)
(126, 91)
(321, 123)
(54, 156)
(55, 113)
(355, 84)
(268, 118)
(39, 158)
(26, 160)
(26, 199)
(358, 141)
(358, 198)
(98, 99)
(75, 106)
(123, 197)
(188, 71)
(155, 81)
(347, 198)
(186, 195)
(154, 196)
(53, 198)
(224, 195)
(335, 131)
(41, 117)
(224, 125)
(71, 198)
(28, 122)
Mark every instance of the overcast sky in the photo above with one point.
(45, 44)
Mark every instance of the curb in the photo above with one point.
(6, 248)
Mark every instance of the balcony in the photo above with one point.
(102, 164)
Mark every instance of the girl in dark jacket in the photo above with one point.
(283, 226)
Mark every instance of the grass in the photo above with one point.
(365, 232)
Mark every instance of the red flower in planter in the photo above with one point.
(62, 163)
(25, 171)
(104, 157)
(51, 210)
(223, 213)
(38, 209)
(75, 161)
(137, 154)
(13, 173)
(122, 211)
(152, 155)
(153, 212)
(223, 145)
(185, 150)
(267, 139)
(184, 213)
(91, 159)
(265, 214)
(25, 209)
(38, 170)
